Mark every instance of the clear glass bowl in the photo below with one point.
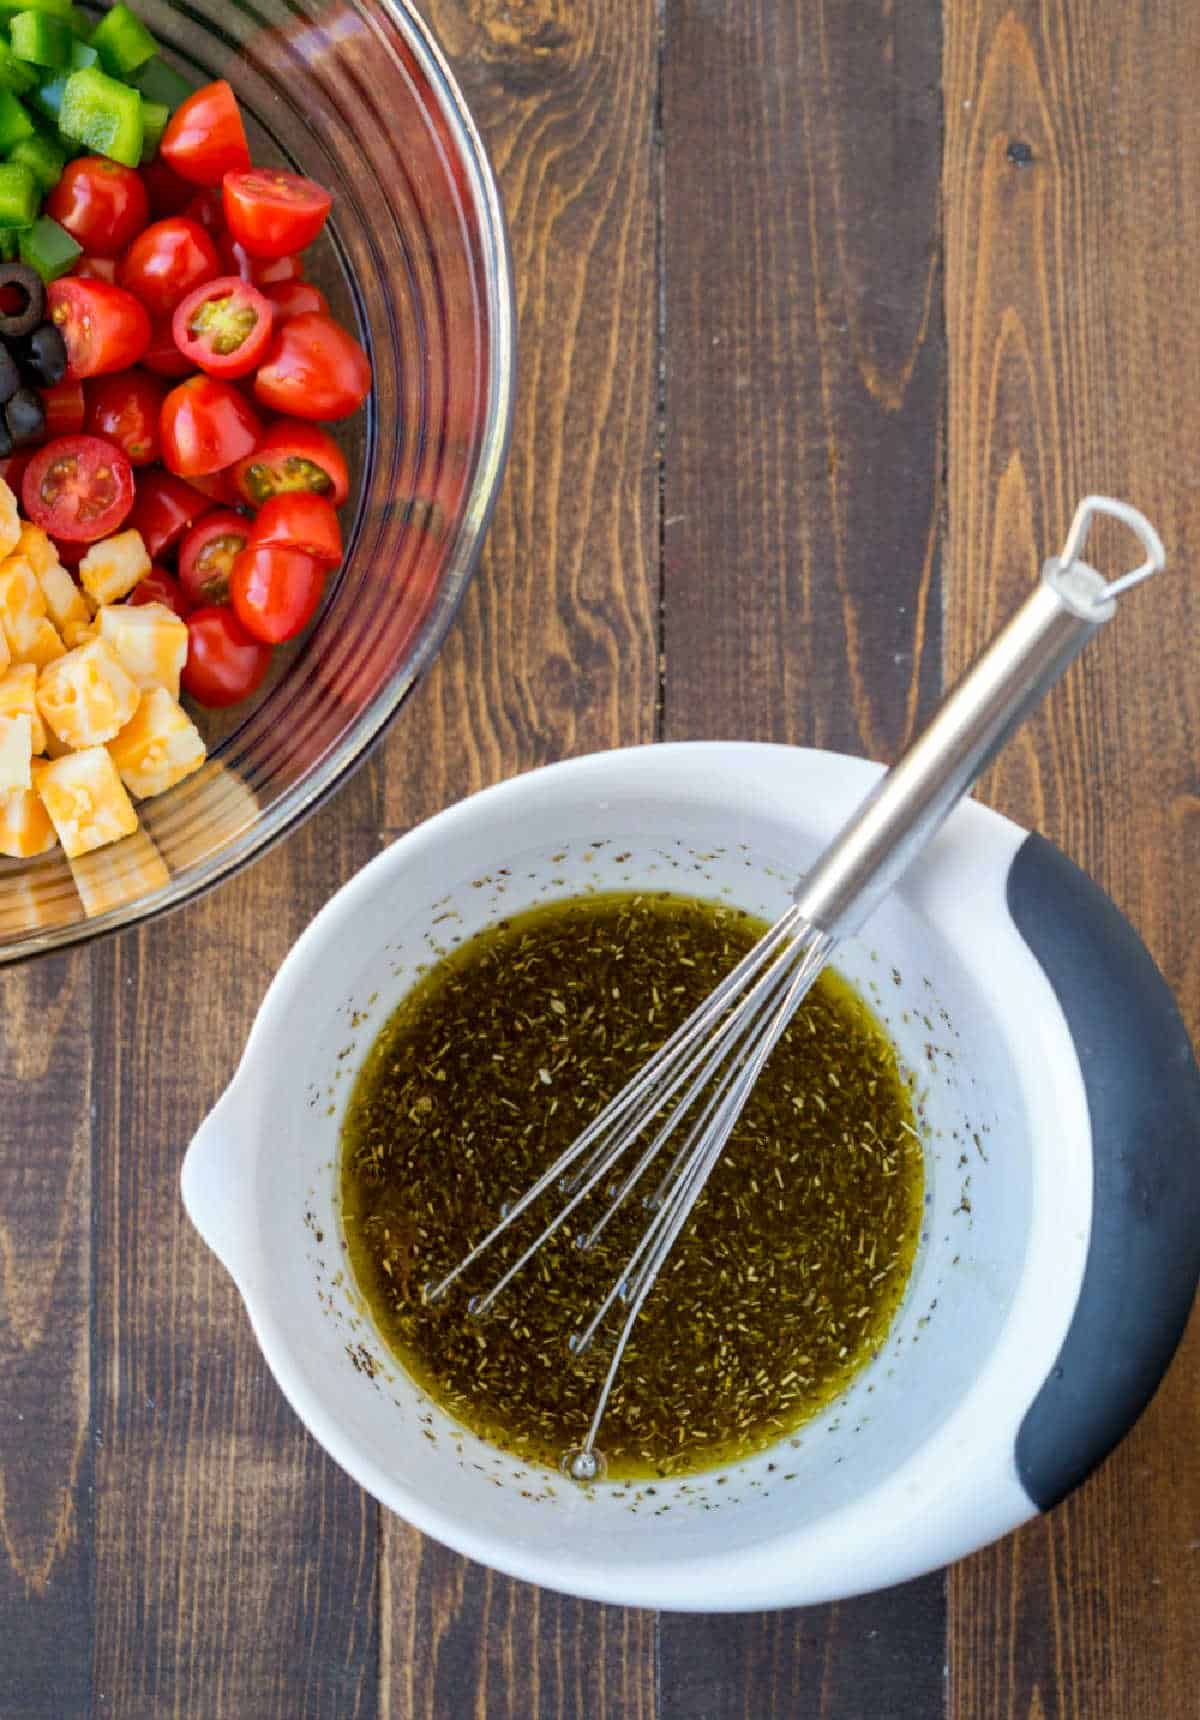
(358, 96)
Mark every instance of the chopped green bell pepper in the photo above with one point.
(52, 8)
(47, 98)
(41, 40)
(19, 195)
(15, 74)
(9, 244)
(15, 123)
(155, 120)
(160, 82)
(48, 248)
(123, 42)
(103, 115)
(43, 156)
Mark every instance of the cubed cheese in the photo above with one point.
(150, 641)
(124, 872)
(208, 811)
(64, 600)
(20, 593)
(38, 896)
(86, 697)
(5, 653)
(10, 520)
(35, 545)
(35, 642)
(16, 752)
(25, 830)
(84, 796)
(158, 746)
(18, 695)
(78, 633)
(111, 568)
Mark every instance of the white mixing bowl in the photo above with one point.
(1060, 1108)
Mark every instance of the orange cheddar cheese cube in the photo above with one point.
(10, 520)
(149, 640)
(36, 642)
(85, 799)
(158, 746)
(112, 567)
(123, 872)
(16, 752)
(79, 632)
(37, 548)
(87, 697)
(64, 600)
(18, 696)
(25, 829)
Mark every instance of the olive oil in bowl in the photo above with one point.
(784, 1281)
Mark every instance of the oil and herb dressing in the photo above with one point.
(785, 1279)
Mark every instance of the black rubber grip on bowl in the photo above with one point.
(1143, 1095)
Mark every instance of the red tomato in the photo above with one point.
(205, 138)
(96, 269)
(12, 469)
(168, 194)
(78, 487)
(223, 326)
(217, 486)
(207, 554)
(205, 425)
(275, 592)
(159, 586)
(101, 204)
(166, 260)
(293, 298)
(206, 208)
(64, 407)
(162, 356)
(105, 327)
(263, 271)
(125, 410)
(300, 521)
(313, 369)
(163, 509)
(224, 662)
(293, 456)
(271, 212)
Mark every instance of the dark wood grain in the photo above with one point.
(805, 367)
(1074, 366)
(45, 1348)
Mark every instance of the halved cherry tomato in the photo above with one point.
(159, 586)
(166, 260)
(125, 409)
(293, 298)
(105, 327)
(65, 408)
(275, 592)
(96, 269)
(263, 271)
(162, 356)
(313, 369)
(206, 208)
(205, 138)
(78, 487)
(271, 212)
(207, 554)
(163, 509)
(293, 456)
(101, 204)
(300, 521)
(223, 326)
(205, 425)
(217, 486)
(168, 193)
(224, 662)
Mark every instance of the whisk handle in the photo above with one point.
(1070, 603)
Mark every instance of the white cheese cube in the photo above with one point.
(16, 752)
(25, 830)
(123, 872)
(158, 746)
(150, 641)
(18, 696)
(10, 520)
(112, 568)
(64, 600)
(84, 796)
(86, 697)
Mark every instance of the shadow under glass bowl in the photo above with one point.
(359, 97)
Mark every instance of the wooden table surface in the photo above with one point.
(830, 310)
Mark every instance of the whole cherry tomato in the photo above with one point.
(217, 486)
(271, 212)
(162, 356)
(207, 555)
(275, 592)
(263, 271)
(206, 208)
(313, 369)
(102, 205)
(95, 269)
(292, 298)
(206, 424)
(78, 487)
(105, 327)
(223, 326)
(224, 662)
(168, 193)
(163, 509)
(293, 455)
(125, 409)
(159, 586)
(205, 138)
(300, 521)
(165, 261)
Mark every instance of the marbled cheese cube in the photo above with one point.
(5, 653)
(86, 801)
(123, 872)
(35, 642)
(20, 593)
(37, 548)
(18, 696)
(64, 600)
(150, 641)
(86, 697)
(10, 520)
(158, 746)
(25, 830)
(78, 633)
(16, 752)
(112, 567)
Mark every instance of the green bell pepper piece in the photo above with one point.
(15, 123)
(103, 115)
(15, 74)
(41, 40)
(9, 244)
(160, 82)
(43, 156)
(47, 97)
(48, 248)
(52, 8)
(123, 42)
(19, 195)
(155, 119)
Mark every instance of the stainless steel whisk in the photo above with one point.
(711, 1062)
